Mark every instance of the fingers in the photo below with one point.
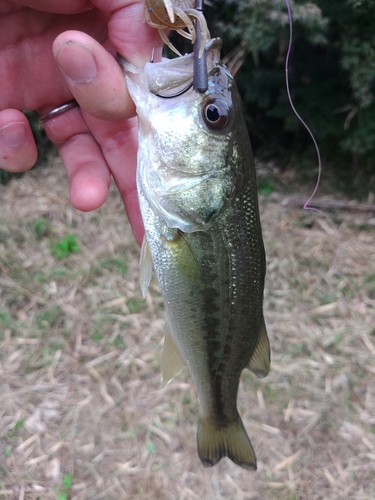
(93, 149)
(93, 76)
(58, 6)
(119, 144)
(132, 37)
(92, 73)
(18, 151)
(86, 167)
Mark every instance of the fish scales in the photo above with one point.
(198, 198)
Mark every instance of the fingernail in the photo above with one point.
(14, 135)
(77, 62)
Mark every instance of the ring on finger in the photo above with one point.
(53, 113)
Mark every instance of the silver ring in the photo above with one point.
(58, 111)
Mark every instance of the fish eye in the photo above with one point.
(216, 114)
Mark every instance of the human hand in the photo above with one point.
(43, 66)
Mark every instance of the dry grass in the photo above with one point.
(80, 393)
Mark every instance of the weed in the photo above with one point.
(19, 424)
(338, 339)
(266, 186)
(271, 395)
(370, 282)
(297, 350)
(5, 318)
(97, 337)
(54, 317)
(186, 399)
(67, 482)
(114, 265)
(150, 446)
(327, 298)
(285, 495)
(101, 328)
(41, 228)
(136, 304)
(118, 342)
(49, 318)
(249, 379)
(65, 247)
(13, 433)
(4, 234)
(48, 353)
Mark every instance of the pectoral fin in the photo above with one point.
(172, 363)
(260, 360)
(182, 254)
(145, 266)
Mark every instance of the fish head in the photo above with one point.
(187, 140)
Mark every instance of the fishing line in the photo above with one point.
(307, 206)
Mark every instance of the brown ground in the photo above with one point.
(80, 394)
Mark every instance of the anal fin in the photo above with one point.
(260, 360)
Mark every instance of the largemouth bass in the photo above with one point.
(198, 197)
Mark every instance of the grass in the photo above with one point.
(65, 246)
(83, 414)
(67, 482)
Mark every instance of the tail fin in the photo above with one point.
(230, 441)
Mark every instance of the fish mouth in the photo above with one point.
(171, 75)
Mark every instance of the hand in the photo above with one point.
(43, 66)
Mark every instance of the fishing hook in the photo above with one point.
(177, 94)
(200, 80)
(170, 96)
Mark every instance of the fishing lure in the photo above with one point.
(178, 15)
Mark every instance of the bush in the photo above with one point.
(331, 71)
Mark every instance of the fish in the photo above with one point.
(197, 191)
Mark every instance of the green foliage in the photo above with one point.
(49, 317)
(115, 265)
(331, 72)
(14, 432)
(257, 23)
(67, 482)
(135, 305)
(65, 247)
(41, 228)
